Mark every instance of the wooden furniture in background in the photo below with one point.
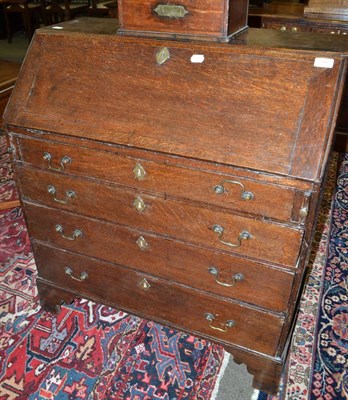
(327, 9)
(8, 75)
(101, 8)
(30, 13)
(112, 8)
(290, 17)
(178, 180)
(55, 11)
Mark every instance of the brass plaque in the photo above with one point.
(171, 11)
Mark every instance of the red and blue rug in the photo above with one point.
(318, 360)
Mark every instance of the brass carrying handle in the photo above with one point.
(223, 327)
(69, 194)
(63, 162)
(235, 278)
(170, 11)
(245, 195)
(77, 233)
(245, 235)
(82, 278)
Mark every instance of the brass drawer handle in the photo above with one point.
(69, 194)
(245, 195)
(245, 235)
(63, 162)
(76, 234)
(82, 278)
(235, 278)
(283, 28)
(223, 327)
(170, 11)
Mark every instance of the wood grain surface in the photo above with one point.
(253, 329)
(168, 178)
(185, 221)
(263, 285)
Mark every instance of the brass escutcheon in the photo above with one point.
(139, 204)
(144, 284)
(142, 243)
(139, 172)
(162, 56)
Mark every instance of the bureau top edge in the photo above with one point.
(259, 40)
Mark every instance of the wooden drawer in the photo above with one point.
(229, 191)
(199, 225)
(261, 285)
(284, 26)
(331, 29)
(325, 29)
(207, 18)
(155, 298)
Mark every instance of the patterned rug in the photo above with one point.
(318, 361)
(88, 351)
(8, 191)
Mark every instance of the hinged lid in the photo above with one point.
(255, 108)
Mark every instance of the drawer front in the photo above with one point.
(284, 26)
(199, 225)
(218, 273)
(155, 298)
(332, 29)
(183, 16)
(230, 191)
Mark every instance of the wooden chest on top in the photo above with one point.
(178, 181)
(203, 19)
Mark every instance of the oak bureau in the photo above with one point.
(178, 180)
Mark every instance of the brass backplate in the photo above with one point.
(162, 55)
(171, 10)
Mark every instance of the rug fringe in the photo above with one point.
(223, 367)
